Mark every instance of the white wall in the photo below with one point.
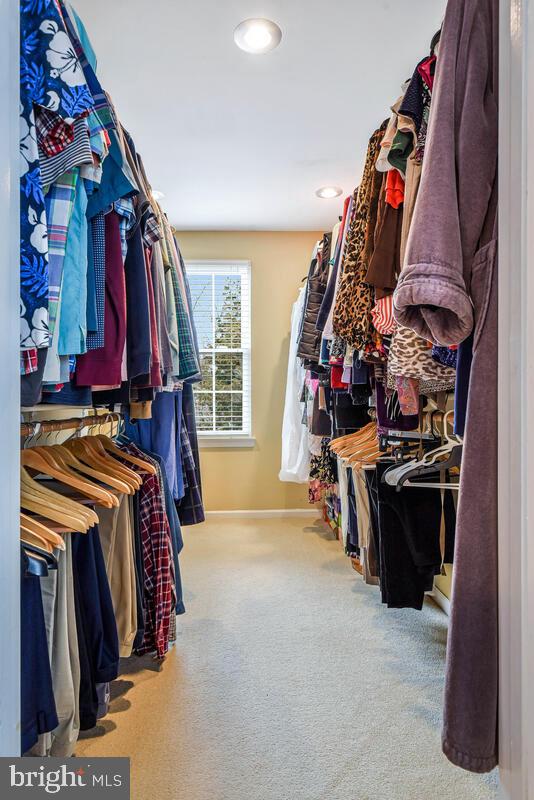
(9, 391)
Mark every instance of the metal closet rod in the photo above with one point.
(28, 428)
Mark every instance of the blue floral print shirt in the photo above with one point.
(52, 77)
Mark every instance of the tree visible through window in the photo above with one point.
(220, 294)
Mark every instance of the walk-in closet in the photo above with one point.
(265, 345)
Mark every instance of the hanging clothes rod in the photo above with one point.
(29, 428)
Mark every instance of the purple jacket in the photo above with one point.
(455, 208)
(448, 289)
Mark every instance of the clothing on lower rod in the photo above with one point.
(353, 537)
(409, 531)
(38, 708)
(116, 537)
(98, 642)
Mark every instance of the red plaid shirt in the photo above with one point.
(53, 133)
(28, 361)
(157, 561)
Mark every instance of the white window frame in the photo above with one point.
(244, 438)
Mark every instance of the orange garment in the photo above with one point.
(394, 188)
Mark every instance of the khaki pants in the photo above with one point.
(116, 536)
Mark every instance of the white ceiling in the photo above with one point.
(237, 141)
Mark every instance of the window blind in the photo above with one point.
(220, 299)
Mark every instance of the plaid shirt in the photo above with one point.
(98, 135)
(188, 359)
(75, 154)
(151, 229)
(190, 508)
(53, 132)
(157, 559)
(28, 361)
(59, 206)
(127, 219)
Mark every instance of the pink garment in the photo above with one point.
(424, 70)
(408, 392)
(312, 383)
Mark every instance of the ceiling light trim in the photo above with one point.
(328, 192)
(257, 35)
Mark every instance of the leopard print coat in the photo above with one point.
(355, 298)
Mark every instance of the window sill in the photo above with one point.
(237, 441)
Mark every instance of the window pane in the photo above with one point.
(227, 310)
(219, 310)
(204, 410)
(201, 304)
(229, 371)
(229, 411)
(206, 367)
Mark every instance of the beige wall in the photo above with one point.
(248, 478)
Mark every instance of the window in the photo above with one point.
(220, 294)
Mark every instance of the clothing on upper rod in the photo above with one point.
(105, 307)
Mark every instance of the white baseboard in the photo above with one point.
(441, 600)
(265, 513)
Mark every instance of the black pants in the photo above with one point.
(409, 525)
(347, 416)
(373, 555)
(353, 544)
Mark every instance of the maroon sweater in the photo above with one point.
(103, 367)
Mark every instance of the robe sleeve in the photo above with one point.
(459, 168)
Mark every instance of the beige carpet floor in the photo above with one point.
(289, 681)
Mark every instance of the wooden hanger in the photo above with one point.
(112, 448)
(29, 537)
(50, 512)
(363, 433)
(340, 441)
(48, 466)
(358, 443)
(370, 457)
(69, 458)
(113, 463)
(98, 447)
(83, 449)
(45, 494)
(56, 459)
(39, 529)
(51, 505)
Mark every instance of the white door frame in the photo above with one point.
(10, 380)
(516, 400)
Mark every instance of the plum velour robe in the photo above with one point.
(447, 291)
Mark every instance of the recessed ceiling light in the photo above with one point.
(257, 35)
(328, 192)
